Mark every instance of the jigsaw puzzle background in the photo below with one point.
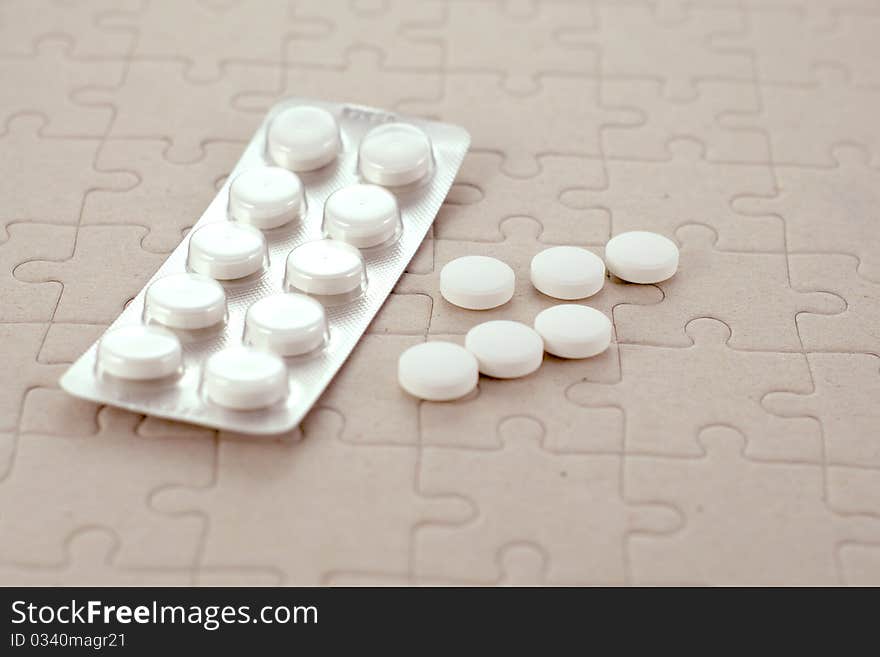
(731, 435)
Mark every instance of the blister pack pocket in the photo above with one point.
(251, 316)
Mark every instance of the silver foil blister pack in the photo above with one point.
(177, 351)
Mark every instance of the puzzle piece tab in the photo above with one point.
(47, 180)
(670, 394)
(635, 44)
(696, 118)
(845, 401)
(805, 122)
(520, 41)
(108, 267)
(492, 116)
(570, 505)
(828, 210)
(857, 328)
(747, 291)
(22, 300)
(561, 197)
(167, 198)
(52, 468)
(318, 506)
(747, 522)
(662, 196)
(44, 83)
(148, 105)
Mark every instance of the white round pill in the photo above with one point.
(567, 272)
(226, 250)
(505, 349)
(477, 282)
(395, 154)
(437, 371)
(266, 197)
(325, 267)
(185, 301)
(362, 215)
(139, 353)
(641, 257)
(242, 378)
(573, 331)
(288, 324)
(304, 138)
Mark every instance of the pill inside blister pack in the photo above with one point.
(250, 317)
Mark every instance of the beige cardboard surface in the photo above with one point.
(730, 435)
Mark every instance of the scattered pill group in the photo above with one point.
(503, 349)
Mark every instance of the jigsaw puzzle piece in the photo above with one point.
(670, 394)
(667, 119)
(845, 401)
(56, 470)
(818, 15)
(315, 508)
(25, 22)
(733, 506)
(323, 35)
(403, 314)
(387, 415)
(22, 301)
(473, 422)
(65, 343)
(167, 198)
(750, 292)
(570, 505)
(44, 82)
(663, 196)
(492, 116)
(856, 329)
(560, 196)
(90, 294)
(148, 105)
(21, 343)
(90, 561)
(634, 43)
(518, 39)
(244, 32)
(805, 122)
(517, 250)
(48, 178)
(787, 45)
(829, 210)
(365, 79)
(50, 411)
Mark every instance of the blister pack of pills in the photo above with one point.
(251, 316)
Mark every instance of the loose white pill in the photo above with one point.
(242, 378)
(395, 154)
(304, 138)
(362, 215)
(573, 331)
(477, 282)
(226, 250)
(567, 272)
(185, 301)
(437, 371)
(288, 324)
(505, 349)
(325, 267)
(641, 257)
(266, 197)
(139, 353)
